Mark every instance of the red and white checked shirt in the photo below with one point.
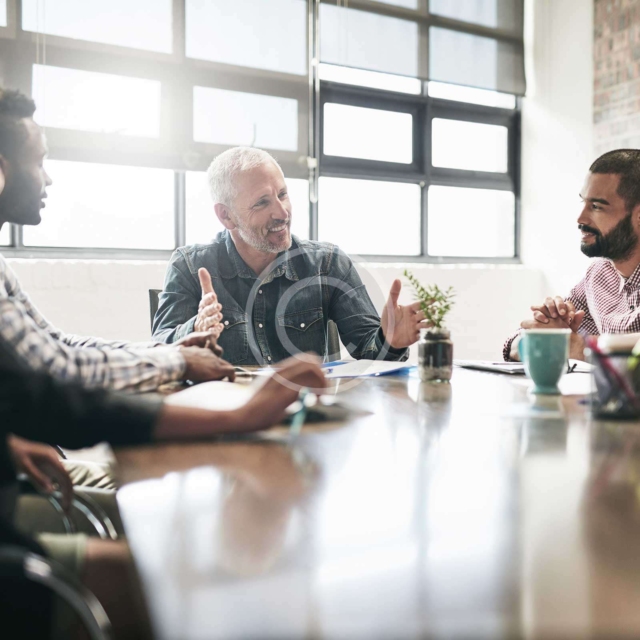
(611, 302)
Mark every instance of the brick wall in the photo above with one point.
(616, 55)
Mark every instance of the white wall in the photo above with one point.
(557, 137)
(110, 298)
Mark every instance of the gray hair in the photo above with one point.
(227, 165)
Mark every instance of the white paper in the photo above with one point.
(214, 396)
(363, 368)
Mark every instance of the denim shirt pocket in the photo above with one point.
(233, 338)
(303, 331)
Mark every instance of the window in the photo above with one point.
(83, 100)
(203, 224)
(105, 206)
(366, 40)
(471, 146)
(348, 132)
(140, 24)
(470, 222)
(406, 122)
(373, 79)
(370, 217)
(234, 118)
(252, 33)
(471, 95)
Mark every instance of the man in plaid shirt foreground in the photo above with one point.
(607, 299)
(34, 342)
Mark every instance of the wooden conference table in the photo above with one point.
(461, 511)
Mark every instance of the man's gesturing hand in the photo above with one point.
(203, 365)
(401, 324)
(209, 316)
(204, 339)
(43, 466)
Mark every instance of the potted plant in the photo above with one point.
(435, 349)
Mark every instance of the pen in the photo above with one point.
(300, 415)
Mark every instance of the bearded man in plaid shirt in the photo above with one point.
(607, 299)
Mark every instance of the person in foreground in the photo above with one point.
(607, 299)
(34, 406)
(277, 292)
(92, 362)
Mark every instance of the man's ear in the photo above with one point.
(222, 211)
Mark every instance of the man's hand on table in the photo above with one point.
(209, 316)
(401, 324)
(203, 365)
(267, 406)
(555, 313)
(203, 339)
(43, 466)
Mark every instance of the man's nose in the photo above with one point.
(281, 212)
(584, 218)
(47, 179)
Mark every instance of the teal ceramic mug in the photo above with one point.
(544, 353)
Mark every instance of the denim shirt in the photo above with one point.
(280, 313)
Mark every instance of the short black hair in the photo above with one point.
(14, 106)
(626, 164)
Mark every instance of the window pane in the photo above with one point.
(3, 13)
(370, 217)
(140, 24)
(5, 235)
(203, 224)
(409, 4)
(348, 133)
(475, 61)
(252, 33)
(368, 41)
(472, 95)
(373, 79)
(84, 100)
(505, 14)
(106, 206)
(471, 222)
(236, 118)
(469, 145)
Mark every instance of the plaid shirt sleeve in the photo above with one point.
(578, 296)
(91, 362)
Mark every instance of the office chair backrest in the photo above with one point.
(154, 296)
(333, 338)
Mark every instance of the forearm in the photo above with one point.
(171, 334)
(188, 423)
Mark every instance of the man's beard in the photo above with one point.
(618, 244)
(254, 238)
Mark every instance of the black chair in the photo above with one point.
(19, 566)
(333, 337)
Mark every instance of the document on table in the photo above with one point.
(365, 368)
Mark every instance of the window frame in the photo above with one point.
(175, 148)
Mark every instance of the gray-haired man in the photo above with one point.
(277, 292)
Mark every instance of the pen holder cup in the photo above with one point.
(616, 392)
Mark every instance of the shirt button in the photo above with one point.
(632, 307)
(226, 322)
(302, 325)
(260, 291)
(260, 326)
(269, 358)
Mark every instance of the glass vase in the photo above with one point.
(435, 356)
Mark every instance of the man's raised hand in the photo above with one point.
(209, 316)
(401, 324)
